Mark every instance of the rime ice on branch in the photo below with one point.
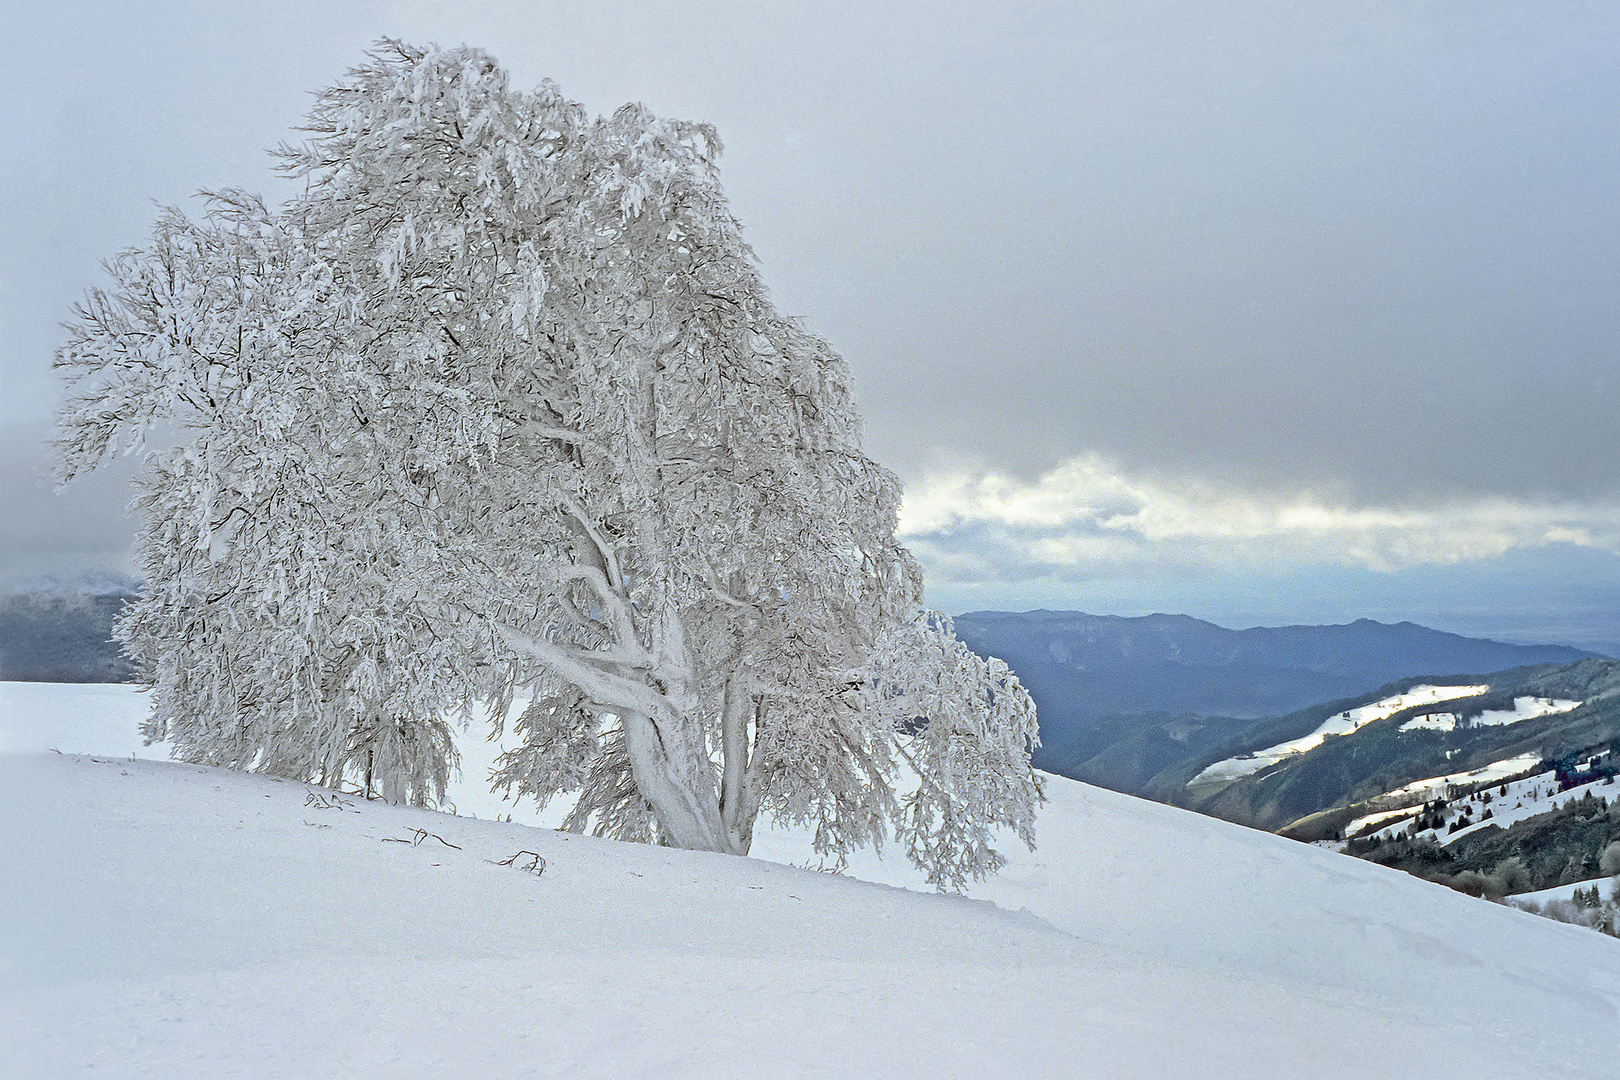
(500, 409)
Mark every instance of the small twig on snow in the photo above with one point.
(416, 838)
(537, 865)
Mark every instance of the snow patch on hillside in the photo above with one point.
(1436, 786)
(1528, 798)
(1341, 724)
(1524, 708)
(1514, 801)
(1355, 827)
(1607, 886)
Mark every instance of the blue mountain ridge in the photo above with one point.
(1177, 685)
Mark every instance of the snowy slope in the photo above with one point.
(1516, 800)
(169, 920)
(1524, 708)
(1341, 724)
(1436, 786)
(1606, 887)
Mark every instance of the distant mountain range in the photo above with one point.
(61, 636)
(1121, 699)
(1389, 741)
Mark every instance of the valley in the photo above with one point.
(1493, 782)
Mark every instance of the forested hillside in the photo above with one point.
(1412, 743)
(1496, 784)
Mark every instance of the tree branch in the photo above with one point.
(609, 688)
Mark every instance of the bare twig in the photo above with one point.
(537, 865)
(416, 838)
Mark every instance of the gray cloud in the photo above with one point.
(1361, 257)
(83, 530)
(1373, 264)
(1088, 520)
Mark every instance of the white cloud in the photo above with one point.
(1088, 519)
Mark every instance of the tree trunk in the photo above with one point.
(738, 807)
(675, 778)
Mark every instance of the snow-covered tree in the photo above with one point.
(499, 409)
(1609, 860)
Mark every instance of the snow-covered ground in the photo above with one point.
(1607, 887)
(1525, 799)
(161, 919)
(1341, 724)
(104, 719)
(1355, 827)
(101, 718)
(1435, 786)
(1513, 801)
(1524, 708)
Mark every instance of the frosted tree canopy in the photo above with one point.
(500, 411)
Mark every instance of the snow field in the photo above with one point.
(1341, 724)
(1605, 886)
(1435, 786)
(1525, 798)
(1518, 807)
(102, 718)
(170, 920)
(1524, 708)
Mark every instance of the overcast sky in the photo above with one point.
(1263, 312)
